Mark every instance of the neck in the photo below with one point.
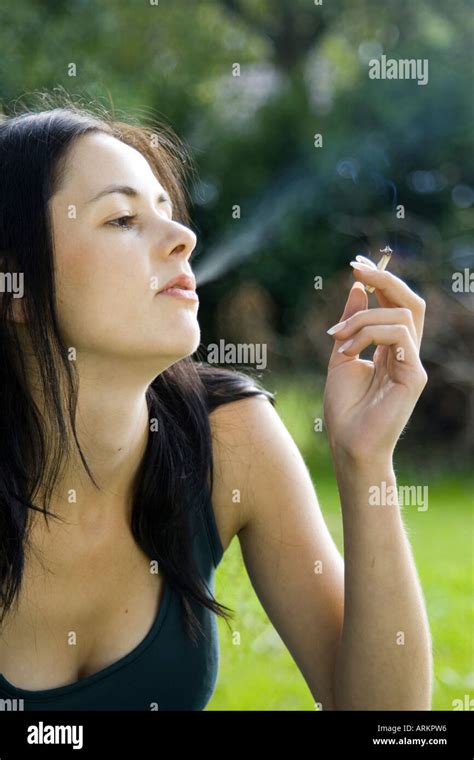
(112, 425)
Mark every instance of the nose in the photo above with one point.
(180, 240)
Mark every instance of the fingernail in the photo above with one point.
(345, 345)
(365, 260)
(362, 267)
(336, 328)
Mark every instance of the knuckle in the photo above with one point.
(403, 330)
(406, 315)
(420, 304)
(423, 376)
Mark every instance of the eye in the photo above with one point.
(117, 222)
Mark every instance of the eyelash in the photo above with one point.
(125, 226)
(120, 226)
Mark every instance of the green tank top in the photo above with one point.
(166, 671)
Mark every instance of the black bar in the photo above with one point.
(370, 734)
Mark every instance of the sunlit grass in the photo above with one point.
(259, 673)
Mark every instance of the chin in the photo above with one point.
(179, 345)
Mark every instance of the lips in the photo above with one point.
(181, 282)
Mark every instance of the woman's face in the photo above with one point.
(109, 270)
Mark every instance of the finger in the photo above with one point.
(396, 337)
(379, 354)
(378, 294)
(365, 260)
(393, 291)
(345, 329)
(357, 300)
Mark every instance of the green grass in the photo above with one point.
(256, 670)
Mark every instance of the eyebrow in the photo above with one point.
(163, 196)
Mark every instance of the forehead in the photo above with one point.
(97, 159)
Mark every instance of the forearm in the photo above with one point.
(384, 656)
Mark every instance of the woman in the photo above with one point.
(126, 468)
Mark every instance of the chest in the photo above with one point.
(87, 599)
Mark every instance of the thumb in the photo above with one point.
(357, 300)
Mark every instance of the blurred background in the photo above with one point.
(303, 161)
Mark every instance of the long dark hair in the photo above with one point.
(176, 470)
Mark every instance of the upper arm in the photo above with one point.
(290, 556)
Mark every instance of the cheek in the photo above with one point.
(99, 290)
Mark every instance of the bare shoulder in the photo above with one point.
(246, 436)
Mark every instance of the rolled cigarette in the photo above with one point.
(387, 253)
